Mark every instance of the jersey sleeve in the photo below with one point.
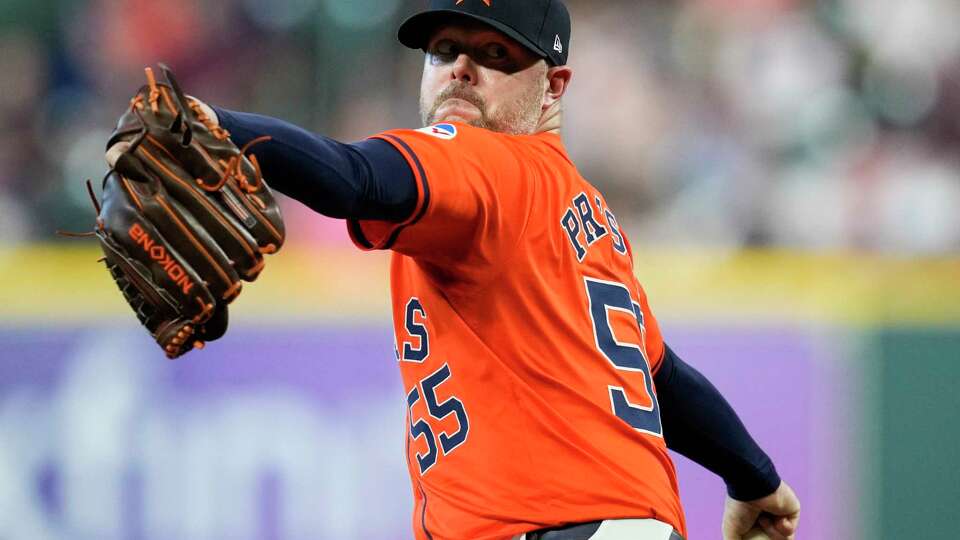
(475, 191)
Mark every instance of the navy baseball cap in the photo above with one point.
(543, 26)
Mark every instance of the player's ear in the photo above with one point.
(558, 79)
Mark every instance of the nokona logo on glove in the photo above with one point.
(159, 254)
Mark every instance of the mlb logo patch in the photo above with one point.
(440, 131)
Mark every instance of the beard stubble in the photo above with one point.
(519, 117)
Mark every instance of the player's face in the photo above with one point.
(476, 75)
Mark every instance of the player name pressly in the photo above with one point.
(159, 254)
(579, 221)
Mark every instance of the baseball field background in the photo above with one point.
(788, 173)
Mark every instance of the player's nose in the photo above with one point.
(464, 70)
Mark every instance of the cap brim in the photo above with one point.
(415, 32)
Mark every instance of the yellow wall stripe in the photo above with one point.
(63, 284)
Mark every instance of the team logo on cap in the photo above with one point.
(440, 131)
(489, 3)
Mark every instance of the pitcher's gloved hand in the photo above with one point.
(186, 216)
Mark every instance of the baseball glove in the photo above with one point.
(185, 219)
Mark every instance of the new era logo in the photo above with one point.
(557, 46)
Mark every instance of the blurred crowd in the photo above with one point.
(821, 125)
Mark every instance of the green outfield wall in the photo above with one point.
(916, 402)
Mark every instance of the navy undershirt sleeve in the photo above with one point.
(699, 424)
(365, 180)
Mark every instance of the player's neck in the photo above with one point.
(551, 119)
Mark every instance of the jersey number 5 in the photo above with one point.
(604, 297)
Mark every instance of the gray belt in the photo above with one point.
(579, 531)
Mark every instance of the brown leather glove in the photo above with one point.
(186, 217)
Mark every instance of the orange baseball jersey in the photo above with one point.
(526, 345)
